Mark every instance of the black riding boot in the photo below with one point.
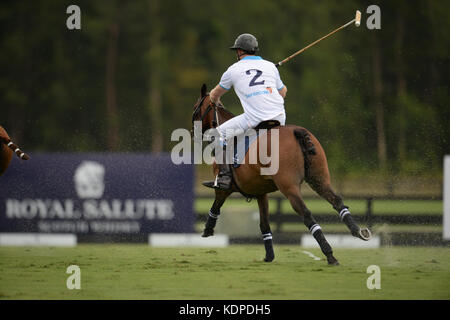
(224, 179)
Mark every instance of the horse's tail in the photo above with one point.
(307, 147)
(22, 155)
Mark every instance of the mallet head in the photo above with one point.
(358, 18)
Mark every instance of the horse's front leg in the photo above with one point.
(214, 212)
(264, 226)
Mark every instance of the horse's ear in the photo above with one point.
(203, 90)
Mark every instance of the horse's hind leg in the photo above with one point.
(214, 212)
(264, 226)
(325, 190)
(318, 177)
(297, 203)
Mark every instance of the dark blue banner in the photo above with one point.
(97, 194)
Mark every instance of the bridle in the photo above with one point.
(210, 107)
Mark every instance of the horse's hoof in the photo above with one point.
(332, 261)
(365, 234)
(269, 259)
(207, 233)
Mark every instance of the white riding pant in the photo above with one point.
(239, 124)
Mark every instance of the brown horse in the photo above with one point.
(301, 158)
(7, 148)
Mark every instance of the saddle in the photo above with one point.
(268, 124)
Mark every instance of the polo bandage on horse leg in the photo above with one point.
(347, 218)
(267, 236)
(268, 245)
(212, 215)
(211, 220)
(343, 213)
(314, 228)
(317, 233)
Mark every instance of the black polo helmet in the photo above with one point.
(246, 42)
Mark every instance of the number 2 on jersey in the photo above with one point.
(253, 81)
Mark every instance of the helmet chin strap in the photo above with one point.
(240, 55)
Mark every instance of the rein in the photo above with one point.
(215, 123)
(211, 106)
(198, 108)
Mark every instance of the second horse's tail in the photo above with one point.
(22, 155)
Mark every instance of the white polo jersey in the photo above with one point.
(256, 82)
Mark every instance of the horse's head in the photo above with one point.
(204, 111)
(211, 115)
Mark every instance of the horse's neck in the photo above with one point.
(224, 115)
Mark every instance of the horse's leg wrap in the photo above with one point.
(268, 244)
(316, 232)
(212, 219)
(347, 218)
(210, 224)
(362, 233)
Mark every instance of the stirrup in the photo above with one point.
(217, 184)
(211, 184)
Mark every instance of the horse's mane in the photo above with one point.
(222, 107)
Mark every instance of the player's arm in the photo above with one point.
(216, 93)
(283, 91)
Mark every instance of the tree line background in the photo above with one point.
(376, 99)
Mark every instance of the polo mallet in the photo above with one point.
(356, 20)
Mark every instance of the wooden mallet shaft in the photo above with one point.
(356, 20)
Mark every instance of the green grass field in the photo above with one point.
(235, 272)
